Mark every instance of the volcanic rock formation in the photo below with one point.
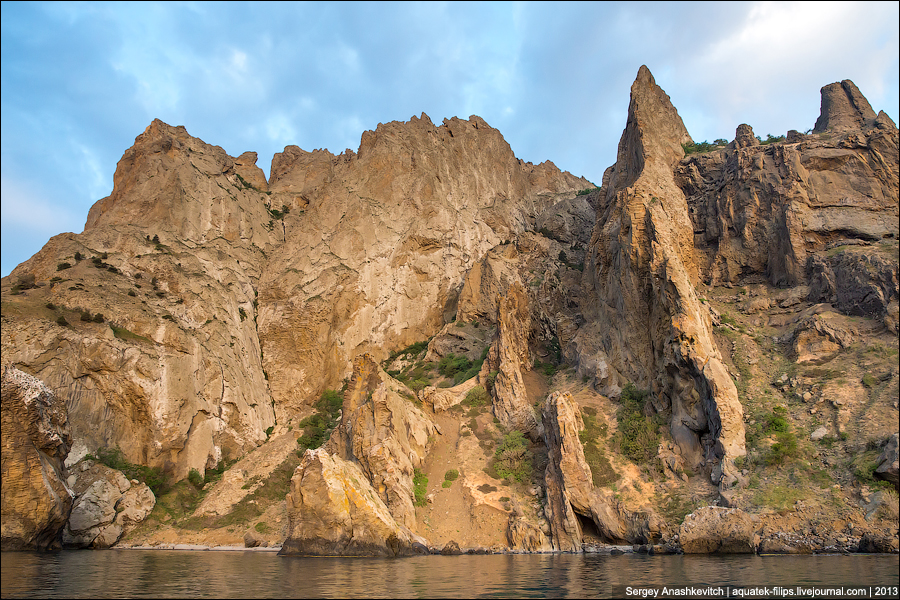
(205, 309)
(36, 439)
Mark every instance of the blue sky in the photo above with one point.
(81, 80)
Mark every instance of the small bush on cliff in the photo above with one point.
(512, 459)
(196, 478)
(699, 147)
(602, 471)
(318, 426)
(770, 139)
(638, 435)
(420, 487)
(114, 459)
(476, 398)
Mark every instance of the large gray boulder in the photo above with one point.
(107, 506)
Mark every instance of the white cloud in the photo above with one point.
(239, 60)
(280, 129)
(26, 212)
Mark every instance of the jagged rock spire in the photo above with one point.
(843, 107)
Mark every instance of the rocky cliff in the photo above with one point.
(36, 500)
(526, 361)
(642, 270)
(204, 304)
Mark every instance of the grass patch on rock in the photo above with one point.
(602, 471)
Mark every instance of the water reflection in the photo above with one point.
(174, 574)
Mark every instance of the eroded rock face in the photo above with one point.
(107, 506)
(36, 440)
(521, 534)
(712, 529)
(378, 256)
(509, 356)
(171, 372)
(888, 467)
(333, 511)
(640, 273)
(385, 434)
(843, 107)
(857, 280)
(766, 209)
(226, 292)
(570, 489)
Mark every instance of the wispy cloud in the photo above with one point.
(81, 80)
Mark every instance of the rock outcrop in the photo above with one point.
(228, 303)
(35, 501)
(888, 467)
(716, 530)
(204, 310)
(509, 356)
(334, 511)
(167, 364)
(844, 108)
(375, 260)
(570, 489)
(355, 495)
(107, 506)
(385, 434)
(641, 271)
(764, 210)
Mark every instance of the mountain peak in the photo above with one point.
(844, 107)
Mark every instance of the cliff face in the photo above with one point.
(668, 340)
(228, 303)
(377, 243)
(36, 439)
(641, 272)
(170, 370)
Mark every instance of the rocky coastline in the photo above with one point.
(429, 346)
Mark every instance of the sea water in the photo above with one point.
(237, 574)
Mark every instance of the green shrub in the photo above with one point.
(489, 384)
(770, 139)
(318, 426)
(700, 147)
(418, 385)
(195, 478)
(784, 447)
(451, 364)
(420, 487)
(114, 459)
(586, 191)
(98, 318)
(451, 475)
(638, 435)
(602, 471)
(63, 266)
(512, 459)
(61, 320)
(85, 316)
(476, 397)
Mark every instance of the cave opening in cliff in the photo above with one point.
(589, 532)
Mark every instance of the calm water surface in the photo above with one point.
(214, 574)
